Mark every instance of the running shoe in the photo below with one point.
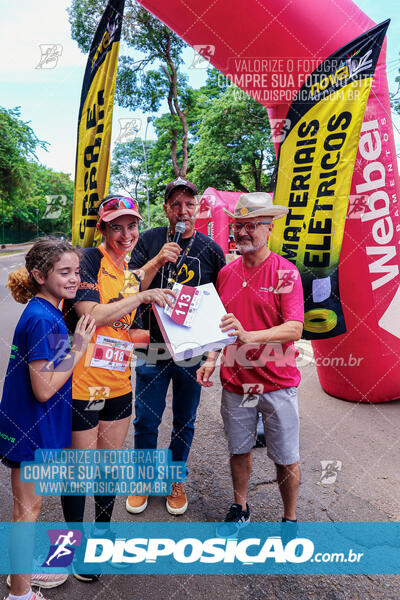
(235, 520)
(45, 580)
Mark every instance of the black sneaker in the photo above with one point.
(94, 533)
(260, 441)
(236, 519)
(103, 530)
(86, 577)
(289, 529)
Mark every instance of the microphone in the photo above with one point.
(180, 229)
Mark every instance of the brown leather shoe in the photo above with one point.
(177, 501)
(136, 504)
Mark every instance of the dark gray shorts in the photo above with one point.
(280, 416)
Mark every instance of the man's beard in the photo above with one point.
(248, 246)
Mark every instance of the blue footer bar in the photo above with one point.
(199, 548)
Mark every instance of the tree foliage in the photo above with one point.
(234, 149)
(52, 193)
(215, 135)
(18, 144)
(150, 77)
(395, 97)
(128, 175)
(128, 169)
(28, 190)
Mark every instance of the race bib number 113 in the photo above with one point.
(186, 304)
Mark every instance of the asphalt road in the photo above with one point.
(365, 439)
(9, 309)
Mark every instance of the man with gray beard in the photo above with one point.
(263, 296)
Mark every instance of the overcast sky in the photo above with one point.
(49, 98)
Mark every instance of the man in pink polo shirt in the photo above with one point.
(263, 296)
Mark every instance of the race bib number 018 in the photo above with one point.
(111, 353)
(186, 304)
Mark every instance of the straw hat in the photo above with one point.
(257, 204)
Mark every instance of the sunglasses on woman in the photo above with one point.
(118, 203)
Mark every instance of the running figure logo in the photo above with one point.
(357, 206)
(202, 56)
(50, 53)
(97, 397)
(329, 471)
(251, 394)
(61, 553)
(287, 278)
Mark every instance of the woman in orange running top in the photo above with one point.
(101, 386)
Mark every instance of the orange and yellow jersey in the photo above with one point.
(104, 371)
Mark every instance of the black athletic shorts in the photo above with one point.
(87, 414)
(11, 464)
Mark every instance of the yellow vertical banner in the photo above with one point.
(92, 169)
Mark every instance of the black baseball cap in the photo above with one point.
(179, 182)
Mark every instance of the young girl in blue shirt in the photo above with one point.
(35, 410)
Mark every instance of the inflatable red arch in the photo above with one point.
(249, 41)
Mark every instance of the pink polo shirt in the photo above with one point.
(272, 296)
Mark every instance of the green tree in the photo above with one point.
(128, 175)
(216, 135)
(18, 144)
(197, 103)
(229, 147)
(52, 193)
(128, 169)
(30, 191)
(46, 201)
(234, 149)
(395, 96)
(151, 77)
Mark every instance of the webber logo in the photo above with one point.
(191, 550)
(60, 552)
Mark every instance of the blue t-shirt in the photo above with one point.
(25, 423)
